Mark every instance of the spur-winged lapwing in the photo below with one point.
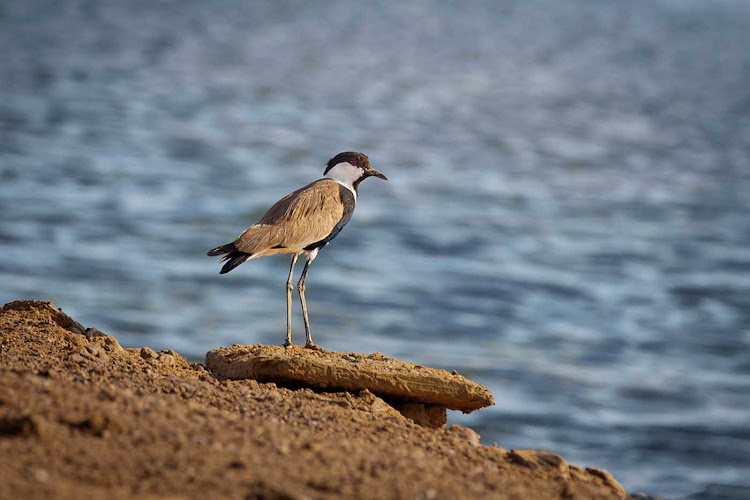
(303, 222)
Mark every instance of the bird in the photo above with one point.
(301, 223)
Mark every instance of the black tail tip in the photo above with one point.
(229, 247)
(233, 260)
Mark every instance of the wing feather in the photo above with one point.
(299, 219)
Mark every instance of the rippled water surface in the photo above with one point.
(567, 218)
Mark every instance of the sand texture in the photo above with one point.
(81, 417)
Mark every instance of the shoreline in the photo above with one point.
(82, 417)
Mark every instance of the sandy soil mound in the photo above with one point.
(81, 417)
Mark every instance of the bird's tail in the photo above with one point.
(229, 247)
(233, 257)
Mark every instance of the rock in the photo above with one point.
(525, 458)
(148, 353)
(608, 479)
(387, 378)
(543, 460)
(40, 475)
(170, 359)
(56, 314)
(551, 461)
(167, 359)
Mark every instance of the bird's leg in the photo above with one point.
(288, 341)
(301, 289)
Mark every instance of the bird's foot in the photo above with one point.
(288, 344)
(310, 345)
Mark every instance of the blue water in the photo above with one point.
(567, 218)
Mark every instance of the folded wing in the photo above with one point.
(301, 218)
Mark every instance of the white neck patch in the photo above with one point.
(346, 174)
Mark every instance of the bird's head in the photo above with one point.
(351, 168)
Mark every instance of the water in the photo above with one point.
(567, 218)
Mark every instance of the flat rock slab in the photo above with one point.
(388, 378)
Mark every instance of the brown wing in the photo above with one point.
(299, 219)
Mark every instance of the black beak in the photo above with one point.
(374, 173)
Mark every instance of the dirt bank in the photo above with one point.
(80, 417)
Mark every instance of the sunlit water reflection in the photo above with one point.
(567, 219)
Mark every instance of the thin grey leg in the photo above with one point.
(301, 289)
(289, 302)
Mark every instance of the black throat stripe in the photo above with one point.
(349, 202)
